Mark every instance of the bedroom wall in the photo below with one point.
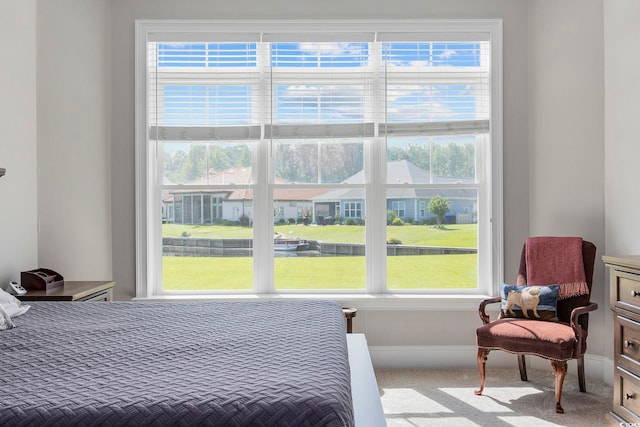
(532, 97)
(18, 188)
(622, 127)
(74, 138)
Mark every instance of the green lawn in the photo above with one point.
(403, 272)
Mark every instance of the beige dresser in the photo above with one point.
(624, 286)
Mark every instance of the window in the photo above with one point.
(422, 209)
(353, 210)
(398, 208)
(277, 152)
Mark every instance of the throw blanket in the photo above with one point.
(555, 260)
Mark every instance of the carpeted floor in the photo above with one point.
(444, 397)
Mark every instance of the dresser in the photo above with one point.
(624, 285)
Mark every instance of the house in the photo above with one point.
(407, 204)
(189, 206)
(570, 145)
(207, 206)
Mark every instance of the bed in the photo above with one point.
(277, 363)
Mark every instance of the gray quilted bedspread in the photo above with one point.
(138, 364)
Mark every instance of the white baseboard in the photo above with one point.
(596, 367)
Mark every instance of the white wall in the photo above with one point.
(74, 138)
(622, 126)
(18, 188)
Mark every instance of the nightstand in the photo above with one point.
(73, 291)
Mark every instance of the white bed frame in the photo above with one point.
(367, 406)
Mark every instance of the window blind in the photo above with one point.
(337, 87)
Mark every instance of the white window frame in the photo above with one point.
(490, 254)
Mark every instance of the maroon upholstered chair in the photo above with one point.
(556, 341)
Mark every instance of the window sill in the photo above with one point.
(446, 302)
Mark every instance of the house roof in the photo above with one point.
(242, 176)
(398, 171)
(404, 172)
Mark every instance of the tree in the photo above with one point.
(439, 206)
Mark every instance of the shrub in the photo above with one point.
(397, 221)
(186, 234)
(350, 221)
(391, 216)
(394, 241)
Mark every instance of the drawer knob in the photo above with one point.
(634, 293)
(628, 343)
(630, 396)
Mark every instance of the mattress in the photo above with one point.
(280, 363)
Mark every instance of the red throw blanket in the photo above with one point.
(556, 260)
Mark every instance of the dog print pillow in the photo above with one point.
(530, 302)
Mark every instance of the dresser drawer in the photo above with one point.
(625, 290)
(626, 396)
(627, 344)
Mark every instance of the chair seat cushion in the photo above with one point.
(550, 340)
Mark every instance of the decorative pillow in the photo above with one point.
(12, 305)
(5, 320)
(530, 302)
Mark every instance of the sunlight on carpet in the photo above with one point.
(445, 398)
(497, 397)
(409, 401)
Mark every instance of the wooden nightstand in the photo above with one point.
(73, 291)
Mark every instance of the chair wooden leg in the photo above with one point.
(581, 382)
(523, 367)
(482, 362)
(559, 370)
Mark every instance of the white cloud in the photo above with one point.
(447, 53)
(331, 48)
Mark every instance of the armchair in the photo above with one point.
(555, 341)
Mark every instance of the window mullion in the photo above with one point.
(376, 176)
(262, 187)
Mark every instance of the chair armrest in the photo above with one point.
(483, 304)
(579, 311)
